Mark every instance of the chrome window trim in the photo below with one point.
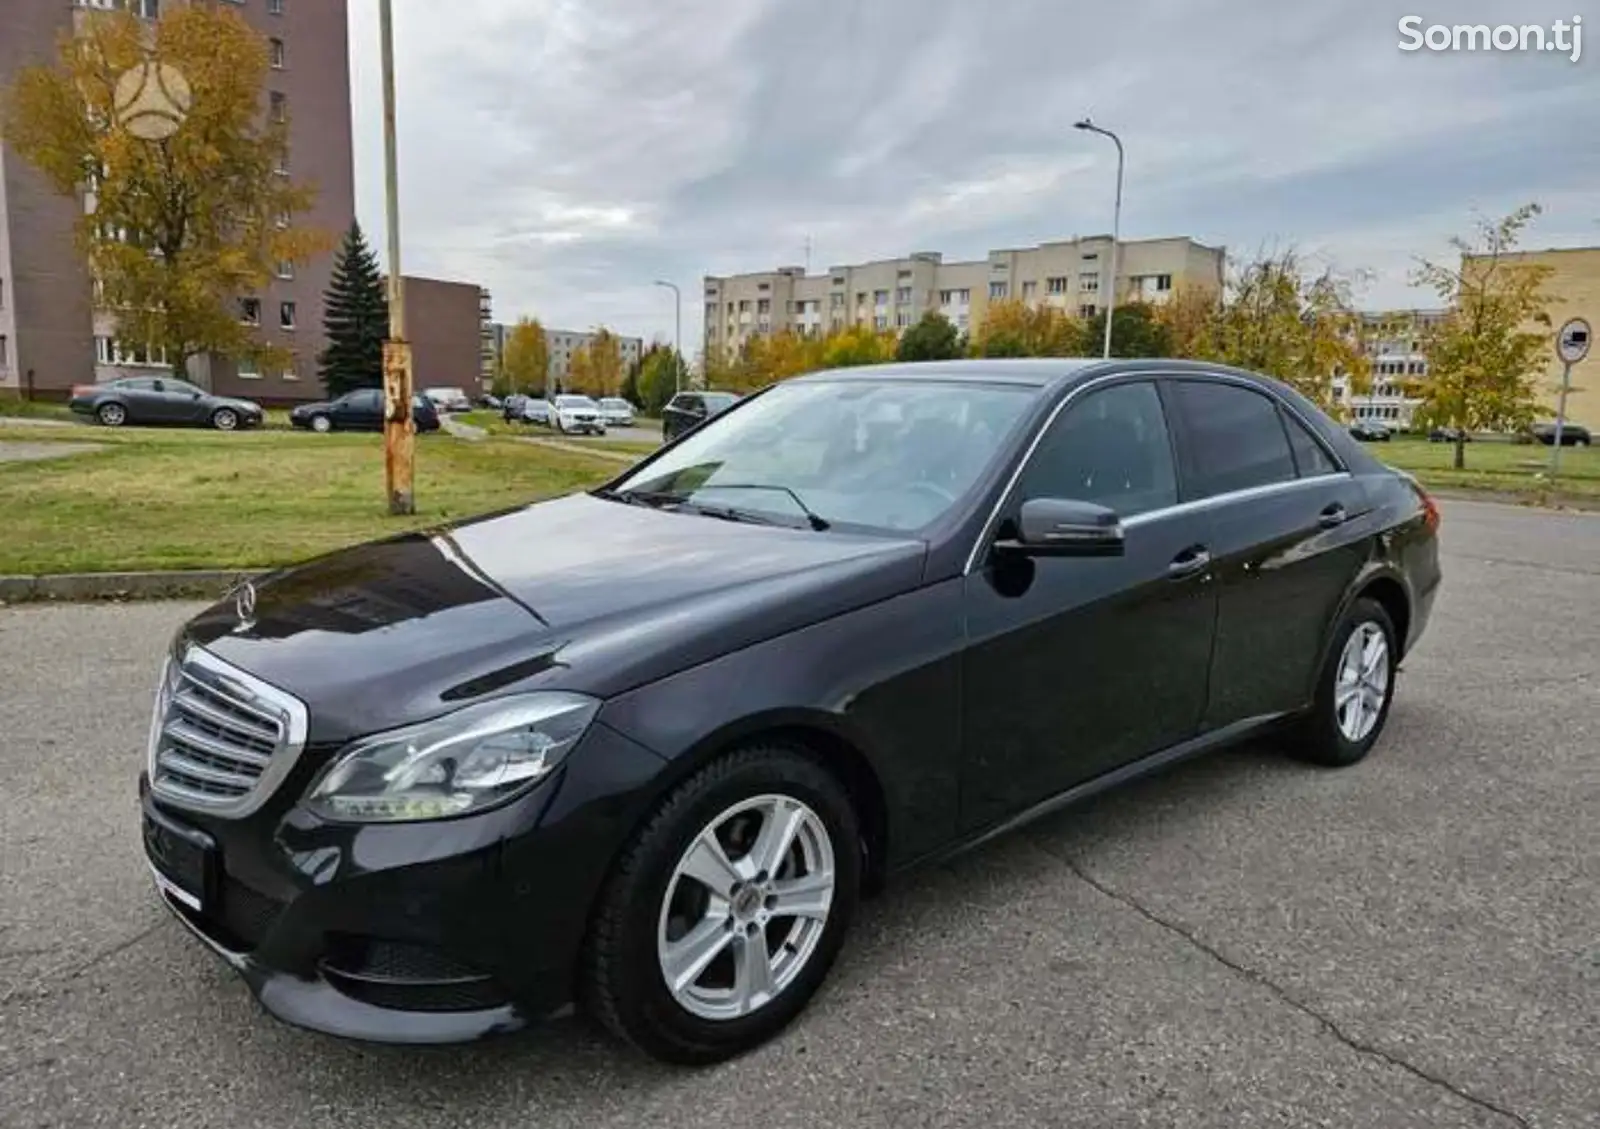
(226, 679)
(1192, 506)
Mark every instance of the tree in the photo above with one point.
(525, 361)
(1277, 318)
(933, 338)
(856, 345)
(596, 368)
(175, 231)
(1012, 328)
(1136, 331)
(661, 372)
(355, 319)
(1484, 355)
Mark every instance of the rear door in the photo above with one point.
(139, 396)
(1289, 532)
(185, 402)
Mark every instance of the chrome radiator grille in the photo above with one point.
(220, 738)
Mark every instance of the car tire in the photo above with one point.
(1337, 732)
(321, 424)
(225, 419)
(111, 415)
(650, 895)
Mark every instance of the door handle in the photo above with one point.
(1332, 515)
(1190, 561)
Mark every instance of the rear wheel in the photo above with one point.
(728, 908)
(112, 415)
(1354, 690)
(225, 419)
(321, 424)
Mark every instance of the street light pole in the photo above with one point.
(1116, 224)
(677, 334)
(399, 430)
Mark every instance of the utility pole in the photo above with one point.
(399, 429)
(677, 335)
(1116, 225)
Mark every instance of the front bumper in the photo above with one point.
(409, 933)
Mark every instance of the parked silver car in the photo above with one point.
(616, 412)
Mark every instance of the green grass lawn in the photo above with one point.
(13, 408)
(494, 424)
(1499, 467)
(175, 499)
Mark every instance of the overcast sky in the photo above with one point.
(565, 153)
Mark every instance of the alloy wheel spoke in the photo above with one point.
(1372, 700)
(752, 971)
(688, 957)
(1356, 717)
(779, 825)
(708, 864)
(1373, 653)
(1345, 691)
(808, 896)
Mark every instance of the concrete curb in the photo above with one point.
(85, 586)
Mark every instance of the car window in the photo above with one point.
(1236, 438)
(1310, 457)
(1111, 448)
(363, 399)
(137, 384)
(181, 387)
(688, 403)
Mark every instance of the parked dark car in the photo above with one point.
(1572, 434)
(1449, 435)
(1370, 431)
(361, 410)
(650, 743)
(689, 410)
(162, 400)
(511, 406)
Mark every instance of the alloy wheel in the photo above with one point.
(113, 415)
(225, 420)
(745, 907)
(321, 424)
(1362, 684)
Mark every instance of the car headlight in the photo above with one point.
(463, 762)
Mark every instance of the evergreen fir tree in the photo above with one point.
(355, 319)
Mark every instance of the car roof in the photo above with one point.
(1031, 372)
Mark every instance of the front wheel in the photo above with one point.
(112, 415)
(225, 419)
(726, 911)
(321, 424)
(1354, 689)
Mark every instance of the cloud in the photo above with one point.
(567, 153)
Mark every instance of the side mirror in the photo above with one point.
(1061, 527)
(194, 395)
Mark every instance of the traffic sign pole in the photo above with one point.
(1572, 345)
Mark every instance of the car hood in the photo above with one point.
(241, 405)
(579, 593)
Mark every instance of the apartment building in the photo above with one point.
(892, 294)
(1574, 282)
(1395, 343)
(448, 323)
(563, 343)
(52, 336)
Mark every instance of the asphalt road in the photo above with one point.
(1244, 941)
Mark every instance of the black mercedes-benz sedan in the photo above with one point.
(644, 748)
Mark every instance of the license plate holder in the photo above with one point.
(184, 859)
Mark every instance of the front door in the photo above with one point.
(1289, 533)
(1077, 666)
(361, 410)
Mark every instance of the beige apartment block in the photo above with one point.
(891, 294)
(1575, 283)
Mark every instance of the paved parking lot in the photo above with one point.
(1244, 941)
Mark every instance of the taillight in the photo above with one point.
(1430, 508)
(82, 390)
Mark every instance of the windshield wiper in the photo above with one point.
(813, 519)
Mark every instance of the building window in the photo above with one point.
(274, 7)
(1086, 311)
(247, 368)
(281, 165)
(946, 297)
(250, 311)
(905, 274)
(881, 321)
(880, 297)
(1163, 282)
(764, 306)
(4, 351)
(2, 293)
(1028, 289)
(902, 319)
(278, 54)
(280, 106)
(764, 287)
(998, 290)
(286, 315)
(1089, 283)
(836, 301)
(1056, 285)
(744, 305)
(903, 295)
(1091, 256)
(964, 296)
(838, 280)
(292, 372)
(285, 269)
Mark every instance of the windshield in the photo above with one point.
(883, 454)
(612, 402)
(720, 400)
(574, 402)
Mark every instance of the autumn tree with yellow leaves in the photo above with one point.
(596, 368)
(175, 231)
